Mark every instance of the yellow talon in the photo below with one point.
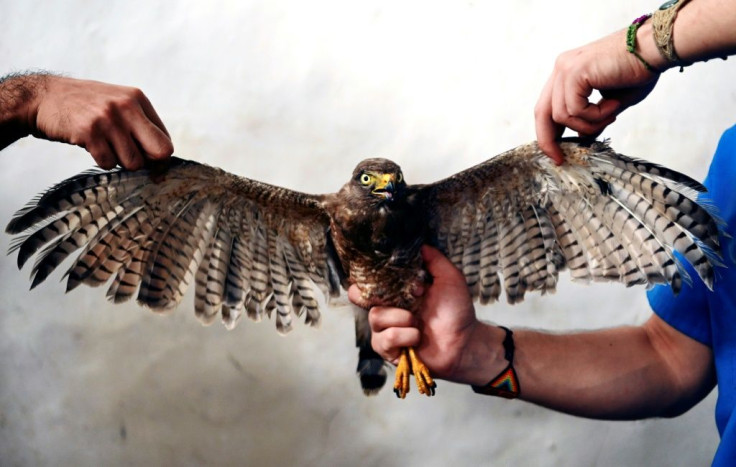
(409, 363)
(425, 383)
(403, 370)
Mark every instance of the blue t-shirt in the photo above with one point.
(710, 317)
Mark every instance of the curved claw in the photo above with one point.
(403, 371)
(425, 383)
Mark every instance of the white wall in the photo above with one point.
(295, 93)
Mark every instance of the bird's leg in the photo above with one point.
(409, 363)
(403, 372)
(425, 383)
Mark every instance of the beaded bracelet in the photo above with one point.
(631, 41)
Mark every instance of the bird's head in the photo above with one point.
(379, 180)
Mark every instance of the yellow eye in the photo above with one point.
(400, 177)
(366, 179)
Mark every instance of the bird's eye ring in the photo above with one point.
(365, 179)
(400, 177)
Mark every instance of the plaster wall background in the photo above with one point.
(296, 93)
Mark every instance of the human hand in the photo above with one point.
(605, 66)
(448, 337)
(115, 124)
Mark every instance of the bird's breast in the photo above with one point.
(380, 251)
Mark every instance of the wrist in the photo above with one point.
(483, 357)
(646, 47)
(20, 97)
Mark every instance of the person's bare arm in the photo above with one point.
(703, 29)
(621, 373)
(115, 124)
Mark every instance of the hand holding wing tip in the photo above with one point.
(115, 124)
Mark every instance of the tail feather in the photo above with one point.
(371, 367)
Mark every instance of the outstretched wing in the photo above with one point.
(603, 215)
(251, 247)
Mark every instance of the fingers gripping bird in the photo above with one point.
(511, 223)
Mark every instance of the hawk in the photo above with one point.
(511, 223)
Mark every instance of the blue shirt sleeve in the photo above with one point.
(689, 311)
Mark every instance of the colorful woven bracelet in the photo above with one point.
(631, 41)
(506, 383)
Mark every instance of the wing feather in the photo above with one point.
(513, 246)
(212, 274)
(569, 242)
(251, 248)
(490, 284)
(603, 215)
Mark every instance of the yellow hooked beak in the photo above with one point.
(385, 186)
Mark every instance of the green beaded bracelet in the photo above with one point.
(631, 41)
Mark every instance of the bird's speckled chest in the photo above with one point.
(379, 247)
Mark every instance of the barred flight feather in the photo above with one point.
(132, 261)
(574, 256)
(152, 238)
(211, 276)
(631, 269)
(237, 284)
(512, 247)
(534, 261)
(607, 217)
(674, 205)
(280, 285)
(490, 286)
(100, 257)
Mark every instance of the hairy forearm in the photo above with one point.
(621, 373)
(18, 93)
(115, 124)
(703, 29)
